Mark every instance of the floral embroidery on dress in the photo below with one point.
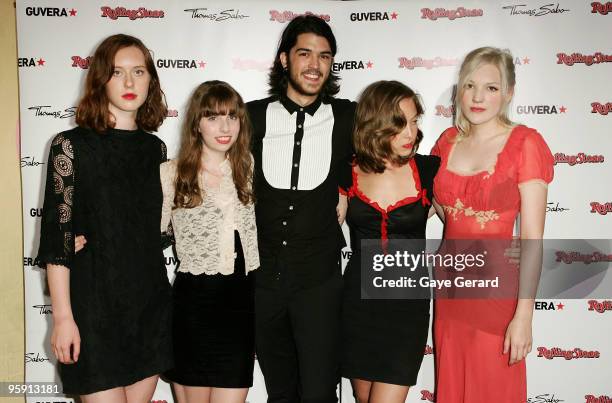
(482, 217)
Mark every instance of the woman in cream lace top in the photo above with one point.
(208, 201)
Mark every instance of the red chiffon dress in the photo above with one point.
(469, 333)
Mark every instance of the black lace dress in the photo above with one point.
(384, 339)
(107, 187)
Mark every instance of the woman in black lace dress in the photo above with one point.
(111, 300)
(384, 339)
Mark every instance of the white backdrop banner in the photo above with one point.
(563, 60)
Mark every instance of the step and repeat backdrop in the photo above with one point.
(563, 61)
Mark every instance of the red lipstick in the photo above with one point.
(129, 96)
(408, 146)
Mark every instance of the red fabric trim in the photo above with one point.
(421, 194)
(342, 191)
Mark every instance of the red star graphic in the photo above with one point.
(526, 60)
(562, 109)
(73, 12)
(41, 61)
(369, 64)
(560, 306)
(202, 64)
(394, 15)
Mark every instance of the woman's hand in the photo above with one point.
(79, 243)
(66, 340)
(518, 340)
(341, 208)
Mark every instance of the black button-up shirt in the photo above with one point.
(302, 158)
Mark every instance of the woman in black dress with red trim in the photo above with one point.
(384, 339)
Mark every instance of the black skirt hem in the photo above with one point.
(208, 381)
(380, 378)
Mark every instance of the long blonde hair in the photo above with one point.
(212, 98)
(500, 58)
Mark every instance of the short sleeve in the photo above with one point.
(536, 162)
(56, 232)
(435, 150)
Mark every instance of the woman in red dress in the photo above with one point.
(491, 169)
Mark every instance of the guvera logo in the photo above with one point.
(601, 8)
(589, 60)
(352, 65)
(540, 109)
(373, 16)
(286, 16)
(78, 61)
(599, 307)
(179, 64)
(548, 306)
(132, 14)
(451, 14)
(600, 108)
(573, 354)
(580, 158)
(411, 62)
(30, 62)
(49, 12)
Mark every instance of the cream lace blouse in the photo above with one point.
(205, 234)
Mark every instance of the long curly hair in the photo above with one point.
(93, 111)
(305, 24)
(212, 98)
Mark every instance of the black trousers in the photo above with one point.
(297, 339)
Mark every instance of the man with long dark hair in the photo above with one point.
(302, 150)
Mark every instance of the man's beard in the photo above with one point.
(299, 88)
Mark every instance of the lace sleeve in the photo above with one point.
(56, 234)
(166, 174)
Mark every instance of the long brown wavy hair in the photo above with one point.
(93, 111)
(377, 120)
(209, 99)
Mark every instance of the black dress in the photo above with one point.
(107, 187)
(384, 339)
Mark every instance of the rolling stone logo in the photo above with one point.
(131, 14)
(601, 8)
(286, 16)
(602, 109)
(519, 9)
(30, 62)
(374, 16)
(540, 109)
(589, 60)
(414, 62)
(569, 257)
(600, 399)
(180, 64)
(445, 111)
(601, 208)
(172, 113)
(78, 61)
(548, 306)
(50, 12)
(577, 159)
(427, 395)
(204, 14)
(429, 350)
(574, 354)
(352, 65)
(599, 307)
(451, 14)
(250, 64)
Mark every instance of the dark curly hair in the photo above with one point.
(304, 24)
